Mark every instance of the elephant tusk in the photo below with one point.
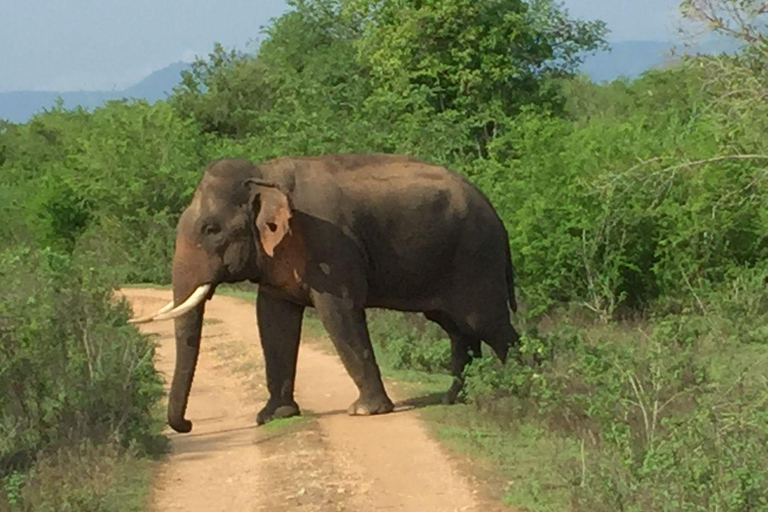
(145, 319)
(194, 300)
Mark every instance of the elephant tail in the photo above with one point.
(510, 276)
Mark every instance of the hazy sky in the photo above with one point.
(654, 20)
(110, 44)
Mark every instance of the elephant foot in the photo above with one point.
(451, 397)
(181, 426)
(368, 407)
(277, 411)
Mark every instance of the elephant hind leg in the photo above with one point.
(464, 347)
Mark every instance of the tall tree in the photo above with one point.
(480, 59)
(389, 75)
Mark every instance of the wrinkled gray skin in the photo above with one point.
(364, 231)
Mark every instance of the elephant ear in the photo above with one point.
(272, 219)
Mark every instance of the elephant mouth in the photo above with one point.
(168, 312)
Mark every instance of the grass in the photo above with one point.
(522, 462)
(147, 285)
(526, 459)
(83, 478)
(245, 291)
(284, 425)
(565, 433)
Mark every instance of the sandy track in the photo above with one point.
(327, 461)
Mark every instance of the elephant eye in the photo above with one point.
(211, 229)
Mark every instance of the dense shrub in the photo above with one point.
(121, 175)
(615, 211)
(83, 477)
(406, 341)
(71, 367)
(669, 418)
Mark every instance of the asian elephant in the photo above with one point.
(340, 233)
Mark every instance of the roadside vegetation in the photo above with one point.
(77, 388)
(638, 220)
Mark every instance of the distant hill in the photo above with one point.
(159, 84)
(19, 106)
(626, 59)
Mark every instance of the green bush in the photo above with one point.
(82, 477)
(72, 369)
(672, 419)
(617, 211)
(118, 177)
(406, 341)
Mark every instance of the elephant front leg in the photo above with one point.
(280, 331)
(346, 325)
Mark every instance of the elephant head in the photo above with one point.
(229, 230)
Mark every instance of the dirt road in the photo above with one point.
(325, 461)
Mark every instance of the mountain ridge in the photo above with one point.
(20, 106)
(627, 59)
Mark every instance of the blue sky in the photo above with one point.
(631, 20)
(110, 44)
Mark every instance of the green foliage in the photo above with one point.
(614, 210)
(302, 94)
(409, 342)
(668, 418)
(121, 175)
(84, 477)
(476, 62)
(529, 459)
(71, 367)
(342, 75)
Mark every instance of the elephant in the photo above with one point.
(340, 234)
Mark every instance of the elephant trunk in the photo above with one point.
(188, 331)
(187, 278)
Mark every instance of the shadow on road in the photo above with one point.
(408, 404)
(419, 402)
